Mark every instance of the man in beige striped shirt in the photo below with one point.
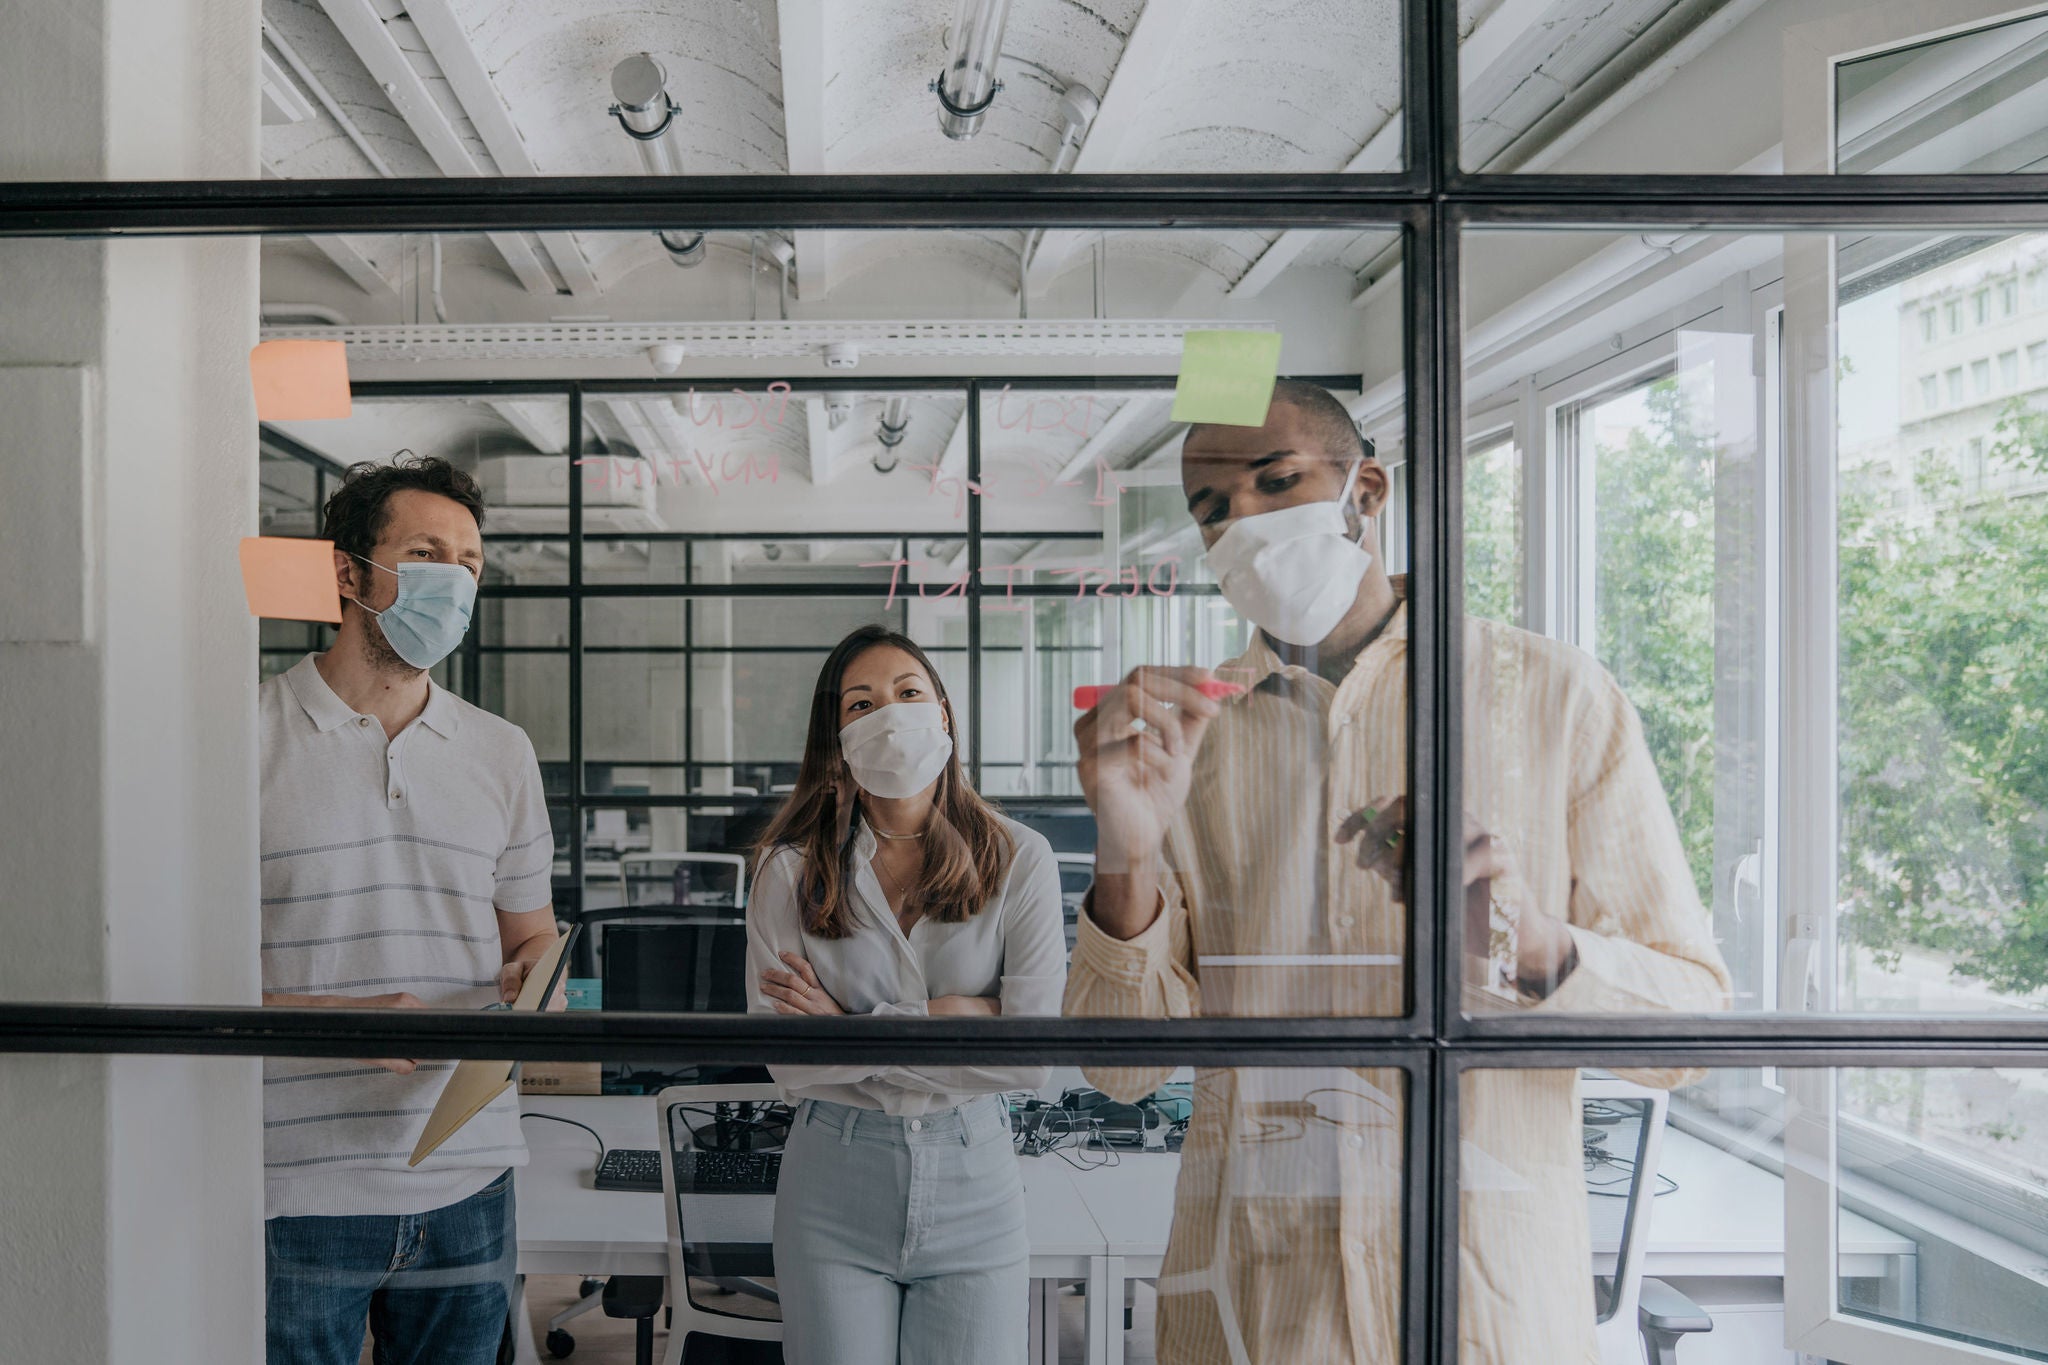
(1248, 863)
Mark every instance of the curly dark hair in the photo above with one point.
(356, 514)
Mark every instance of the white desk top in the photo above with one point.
(566, 1224)
(569, 1226)
(1724, 1207)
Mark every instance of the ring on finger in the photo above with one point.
(1139, 725)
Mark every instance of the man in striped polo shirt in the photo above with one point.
(406, 860)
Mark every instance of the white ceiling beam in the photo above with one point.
(1491, 41)
(484, 103)
(327, 101)
(818, 441)
(954, 459)
(1141, 67)
(1110, 432)
(378, 50)
(800, 26)
(541, 424)
(633, 420)
(348, 258)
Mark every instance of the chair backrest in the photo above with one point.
(720, 1246)
(1635, 1136)
(657, 878)
(1077, 874)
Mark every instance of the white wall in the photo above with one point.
(130, 1188)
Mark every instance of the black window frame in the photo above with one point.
(1433, 202)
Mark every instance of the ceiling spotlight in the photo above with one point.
(648, 115)
(665, 356)
(841, 355)
(838, 409)
(770, 551)
(968, 84)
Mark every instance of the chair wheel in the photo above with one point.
(586, 1287)
(560, 1343)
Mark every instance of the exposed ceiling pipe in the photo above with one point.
(1078, 108)
(278, 313)
(648, 115)
(890, 430)
(434, 290)
(967, 85)
(783, 253)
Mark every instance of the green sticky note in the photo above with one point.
(1226, 377)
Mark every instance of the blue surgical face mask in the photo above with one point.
(431, 613)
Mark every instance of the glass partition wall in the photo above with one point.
(1720, 467)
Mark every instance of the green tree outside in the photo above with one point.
(1944, 717)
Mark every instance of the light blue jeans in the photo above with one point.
(901, 1239)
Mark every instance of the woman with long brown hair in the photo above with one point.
(886, 885)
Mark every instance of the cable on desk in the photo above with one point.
(557, 1118)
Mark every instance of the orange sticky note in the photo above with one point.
(290, 579)
(299, 380)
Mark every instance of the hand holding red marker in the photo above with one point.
(1088, 696)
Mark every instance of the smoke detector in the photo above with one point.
(666, 356)
(841, 355)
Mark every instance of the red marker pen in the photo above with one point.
(1089, 696)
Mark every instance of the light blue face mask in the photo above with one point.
(431, 613)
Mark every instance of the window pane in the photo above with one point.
(1493, 532)
(1872, 88)
(1940, 798)
(1677, 1187)
(1034, 87)
(1148, 1211)
(1663, 468)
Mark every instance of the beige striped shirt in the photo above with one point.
(1287, 1220)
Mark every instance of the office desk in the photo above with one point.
(567, 1226)
(1725, 1219)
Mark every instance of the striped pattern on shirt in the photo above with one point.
(1305, 1264)
(385, 862)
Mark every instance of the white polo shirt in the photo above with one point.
(384, 864)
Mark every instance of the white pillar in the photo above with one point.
(130, 1188)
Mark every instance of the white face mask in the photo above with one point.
(897, 750)
(1293, 572)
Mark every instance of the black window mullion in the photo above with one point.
(575, 595)
(973, 419)
(1436, 681)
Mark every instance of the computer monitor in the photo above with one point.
(691, 968)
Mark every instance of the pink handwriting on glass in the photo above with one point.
(614, 471)
(609, 471)
(1049, 412)
(959, 488)
(1127, 578)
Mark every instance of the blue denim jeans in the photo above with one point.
(435, 1287)
(901, 1241)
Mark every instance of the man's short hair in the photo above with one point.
(1327, 419)
(355, 516)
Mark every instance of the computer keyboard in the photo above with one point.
(638, 1168)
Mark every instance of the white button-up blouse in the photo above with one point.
(1015, 949)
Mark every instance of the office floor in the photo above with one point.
(609, 1341)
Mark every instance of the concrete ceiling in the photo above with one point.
(520, 87)
(768, 87)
